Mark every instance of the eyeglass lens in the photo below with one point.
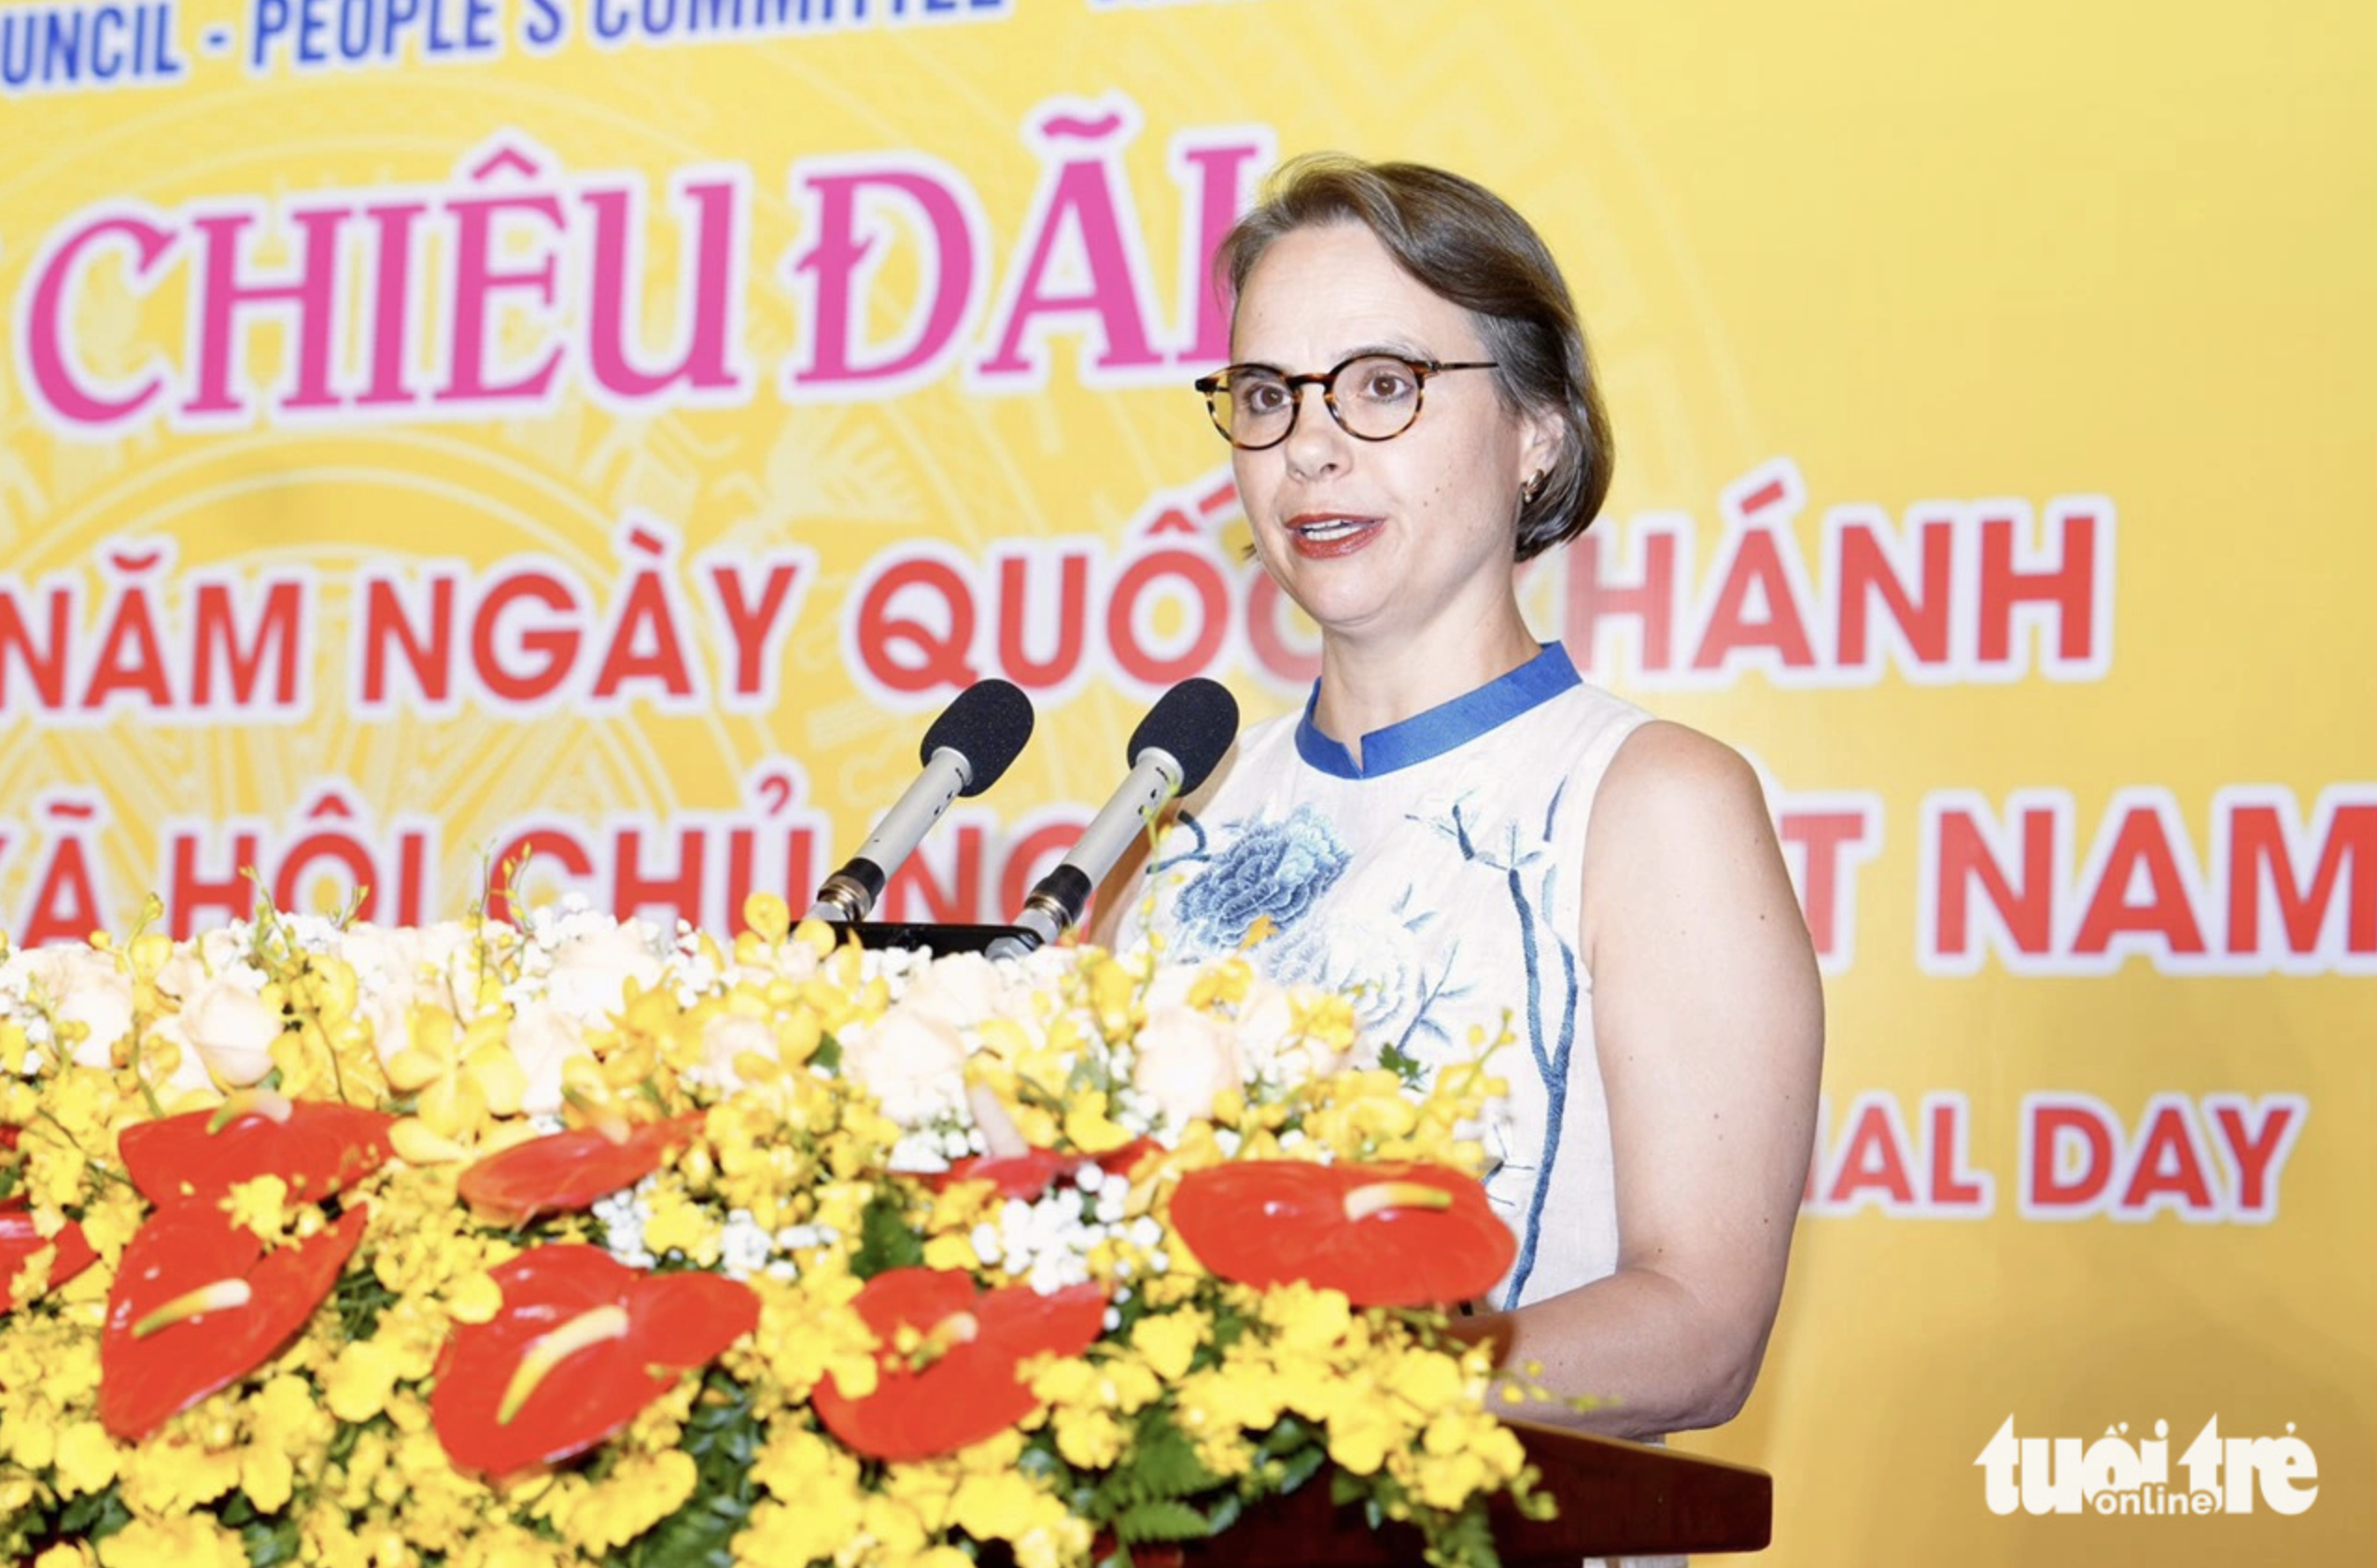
(1375, 397)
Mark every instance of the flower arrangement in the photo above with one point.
(578, 1242)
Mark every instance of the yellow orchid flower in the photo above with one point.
(461, 1076)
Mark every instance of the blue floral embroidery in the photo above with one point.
(1279, 869)
(1551, 1031)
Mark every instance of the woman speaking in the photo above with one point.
(1464, 830)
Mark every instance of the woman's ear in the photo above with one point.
(1542, 441)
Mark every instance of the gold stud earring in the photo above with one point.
(1533, 488)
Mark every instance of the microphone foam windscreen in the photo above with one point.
(987, 725)
(1194, 722)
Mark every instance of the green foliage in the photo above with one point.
(267, 1538)
(723, 1436)
(1230, 1326)
(1162, 1518)
(1301, 1466)
(93, 1517)
(1462, 1540)
(886, 1239)
(1160, 1492)
(1448, 1540)
(359, 1299)
(1163, 1463)
(1403, 1066)
(350, 1436)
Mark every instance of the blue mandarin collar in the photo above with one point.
(1441, 728)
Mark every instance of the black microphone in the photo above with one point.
(968, 746)
(1173, 750)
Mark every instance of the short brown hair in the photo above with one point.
(1472, 248)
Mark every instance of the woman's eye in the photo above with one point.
(1386, 384)
(1261, 397)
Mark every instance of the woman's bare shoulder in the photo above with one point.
(1670, 770)
(1679, 812)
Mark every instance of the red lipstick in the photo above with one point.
(1321, 536)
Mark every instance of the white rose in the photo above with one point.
(81, 986)
(543, 1041)
(400, 968)
(911, 1061)
(1270, 1043)
(197, 962)
(445, 960)
(1186, 1060)
(590, 970)
(1169, 984)
(190, 1073)
(403, 953)
(729, 1035)
(231, 1029)
(388, 1008)
(962, 989)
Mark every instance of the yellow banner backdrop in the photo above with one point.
(436, 427)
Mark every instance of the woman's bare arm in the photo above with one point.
(1709, 1021)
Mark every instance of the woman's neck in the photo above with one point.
(1368, 685)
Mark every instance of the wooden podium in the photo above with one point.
(1617, 1499)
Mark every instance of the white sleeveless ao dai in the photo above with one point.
(1442, 881)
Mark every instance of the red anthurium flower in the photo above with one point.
(973, 1344)
(1385, 1235)
(19, 1241)
(314, 1146)
(199, 1304)
(582, 1344)
(1029, 1174)
(566, 1171)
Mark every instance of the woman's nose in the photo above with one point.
(1314, 445)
